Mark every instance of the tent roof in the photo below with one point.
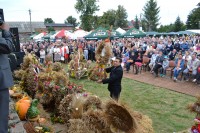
(120, 30)
(134, 33)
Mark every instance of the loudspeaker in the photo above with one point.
(19, 56)
(15, 39)
(1, 15)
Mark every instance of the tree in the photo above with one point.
(151, 15)
(166, 28)
(193, 19)
(50, 29)
(178, 24)
(48, 21)
(87, 8)
(136, 23)
(71, 20)
(121, 17)
(108, 19)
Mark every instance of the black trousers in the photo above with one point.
(156, 67)
(115, 95)
(4, 110)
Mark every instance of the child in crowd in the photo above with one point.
(165, 65)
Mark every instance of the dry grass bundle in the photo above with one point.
(65, 108)
(92, 102)
(19, 74)
(60, 78)
(144, 123)
(119, 117)
(103, 59)
(95, 121)
(28, 60)
(78, 126)
(77, 107)
(195, 107)
(57, 66)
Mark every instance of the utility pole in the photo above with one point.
(30, 20)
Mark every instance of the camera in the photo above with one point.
(1, 22)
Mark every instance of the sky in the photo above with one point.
(59, 10)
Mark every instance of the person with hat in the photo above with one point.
(6, 47)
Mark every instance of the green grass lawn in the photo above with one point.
(166, 108)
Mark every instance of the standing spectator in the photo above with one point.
(42, 55)
(191, 67)
(179, 66)
(85, 52)
(57, 54)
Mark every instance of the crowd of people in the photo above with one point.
(184, 51)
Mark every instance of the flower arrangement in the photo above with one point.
(102, 55)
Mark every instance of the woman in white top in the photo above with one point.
(42, 55)
(57, 53)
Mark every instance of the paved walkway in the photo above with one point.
(188, 88)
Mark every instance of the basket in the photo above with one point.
(29, 127)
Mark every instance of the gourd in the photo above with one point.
(22, 107)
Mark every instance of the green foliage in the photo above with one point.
(166, 28)
(48, 21)
(50, 29)
(71, 20)
(87, 8)
(136, 23)
(108, 19)
(193, 19)
(178, 25)
(121, 17)
(151, 15)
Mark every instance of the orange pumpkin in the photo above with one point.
(22, 107)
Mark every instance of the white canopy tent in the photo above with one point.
(39, 36)
(120, 30)
(79, 34)
(195, 31)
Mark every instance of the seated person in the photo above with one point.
(138, 63)
(197, 77)
(172, 54)
(153, 59)
(191, 66)
(179, 66)
(165, 65)
(158, 63)
(133, 56)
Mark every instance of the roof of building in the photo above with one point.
(58, 25)
(24, 26)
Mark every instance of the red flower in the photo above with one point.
(70, 87)
(57, 87)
